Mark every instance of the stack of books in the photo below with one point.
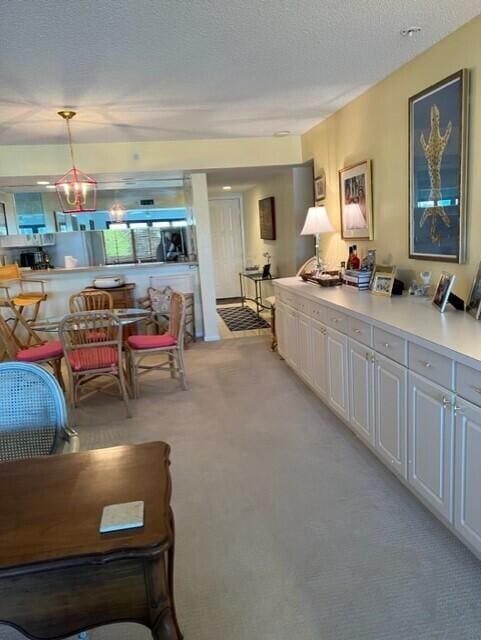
(358, 279)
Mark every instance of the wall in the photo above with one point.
(375, 126)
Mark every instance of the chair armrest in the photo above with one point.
(6, 288)
(34, 281)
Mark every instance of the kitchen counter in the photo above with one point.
(107, 267)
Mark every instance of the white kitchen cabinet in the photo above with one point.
(467, 513)
(431, 423)
(390, 412)
(319, 358)
(361, 390)
(281, 329)
(337, 376)
(291, 337)
(304, 358)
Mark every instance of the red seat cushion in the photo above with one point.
(87, 358)
(151, 342)
(42, 352)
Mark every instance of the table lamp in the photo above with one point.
(317, 222)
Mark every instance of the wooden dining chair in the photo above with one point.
(90, 301)
(92, 346)
(170, 344)
(48, 353)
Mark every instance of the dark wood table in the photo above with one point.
(60, 576)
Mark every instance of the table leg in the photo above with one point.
(242, 290)
(163, 618)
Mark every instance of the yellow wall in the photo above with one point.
(375, 126)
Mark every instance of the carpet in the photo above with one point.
(241, 318)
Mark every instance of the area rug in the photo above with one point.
(241, 318)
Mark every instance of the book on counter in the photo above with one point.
(358, 279)
(128, 515)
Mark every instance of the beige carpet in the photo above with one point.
(287, 527)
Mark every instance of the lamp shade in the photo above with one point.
(317, 221)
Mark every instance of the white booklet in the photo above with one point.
(128, 515)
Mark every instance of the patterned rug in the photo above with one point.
(241, 318)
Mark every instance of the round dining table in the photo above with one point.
(126, 316)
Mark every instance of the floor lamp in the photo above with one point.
(317, 222)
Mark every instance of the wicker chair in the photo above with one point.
(33, 416)
(92, 345)
(90, 301)
(171, 344)
(49, 353)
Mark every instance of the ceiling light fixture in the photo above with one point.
(43, 182)
(410, 31)
(227, 187)
(282, 134)
(50, 186)
(117, 213)
(76, 191)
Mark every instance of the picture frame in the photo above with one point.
(355, 195)
(382, 280)
(473, 305)
(267, 218)
(3, 220)
(438, 180)
(443, 289)
(320, 187)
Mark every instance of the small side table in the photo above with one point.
(257, 279)
(59, 575)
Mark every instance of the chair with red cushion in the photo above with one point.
(170, 344)
(49, 353)
(92, 344)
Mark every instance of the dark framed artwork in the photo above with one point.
(356, 201)
(267, 218)
(438, 122)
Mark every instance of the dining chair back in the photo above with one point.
(33, 415)
(24, 296)
(171, 344)
(90, 301)
(92, 345)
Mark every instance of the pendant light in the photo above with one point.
(117, 213)
(76, 191)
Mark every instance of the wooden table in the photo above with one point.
(58, 574)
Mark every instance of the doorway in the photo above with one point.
(227, 245)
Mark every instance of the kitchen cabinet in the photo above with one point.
(319, 358)
(337, 378)
(361, 390)
(467, 514)
(304, 358)
(390, 412)
(431, 426)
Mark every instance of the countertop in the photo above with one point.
(453, 333)
(106, 267)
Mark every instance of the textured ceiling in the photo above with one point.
(182, 69)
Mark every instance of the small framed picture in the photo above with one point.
(383, 283)
(356, 201)
(381, 270)
(441, 295)
(473, 305)
(320, 187)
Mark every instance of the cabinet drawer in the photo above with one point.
(431, 365)
(390, 345)
(336, 320)
(302, 305)
(288, 298)
(468, 383)
(360, 331)
(318, 312)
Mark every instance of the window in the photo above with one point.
(119, 246)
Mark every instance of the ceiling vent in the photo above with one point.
(146, 203)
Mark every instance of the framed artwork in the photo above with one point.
(437, 170)
(356, 201)
(267, 218)
(473, 306)
(320, 187)
(382, 280)
(443, 289)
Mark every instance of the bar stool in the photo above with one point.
(11, 275)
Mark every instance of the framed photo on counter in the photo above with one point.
(443, 289)
(473, 306)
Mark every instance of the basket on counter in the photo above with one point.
(333, 281)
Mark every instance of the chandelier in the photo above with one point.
(117, 213)
(76, 191)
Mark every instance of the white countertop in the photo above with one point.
(454, 333)
(105, 267)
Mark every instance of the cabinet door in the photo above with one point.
(337, 379)
(281, 329)
(304, 346)
(361, 390)
(291, 335)
(319, 358)
(467, 510)
(390, 413)
(431, 443)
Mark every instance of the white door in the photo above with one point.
(467, 512)
(337, 373)
(319, 358)
(361, 390)
(431, 449)
(390, 413)
(226, 231)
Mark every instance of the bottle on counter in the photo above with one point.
(349, 265)
(355, 261)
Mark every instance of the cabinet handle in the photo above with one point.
(357, 331)
(457, 409)
(426, 364)
(386, 345)
(373, 359)
(447, 403)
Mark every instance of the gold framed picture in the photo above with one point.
(355, 191)
(382, 280)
